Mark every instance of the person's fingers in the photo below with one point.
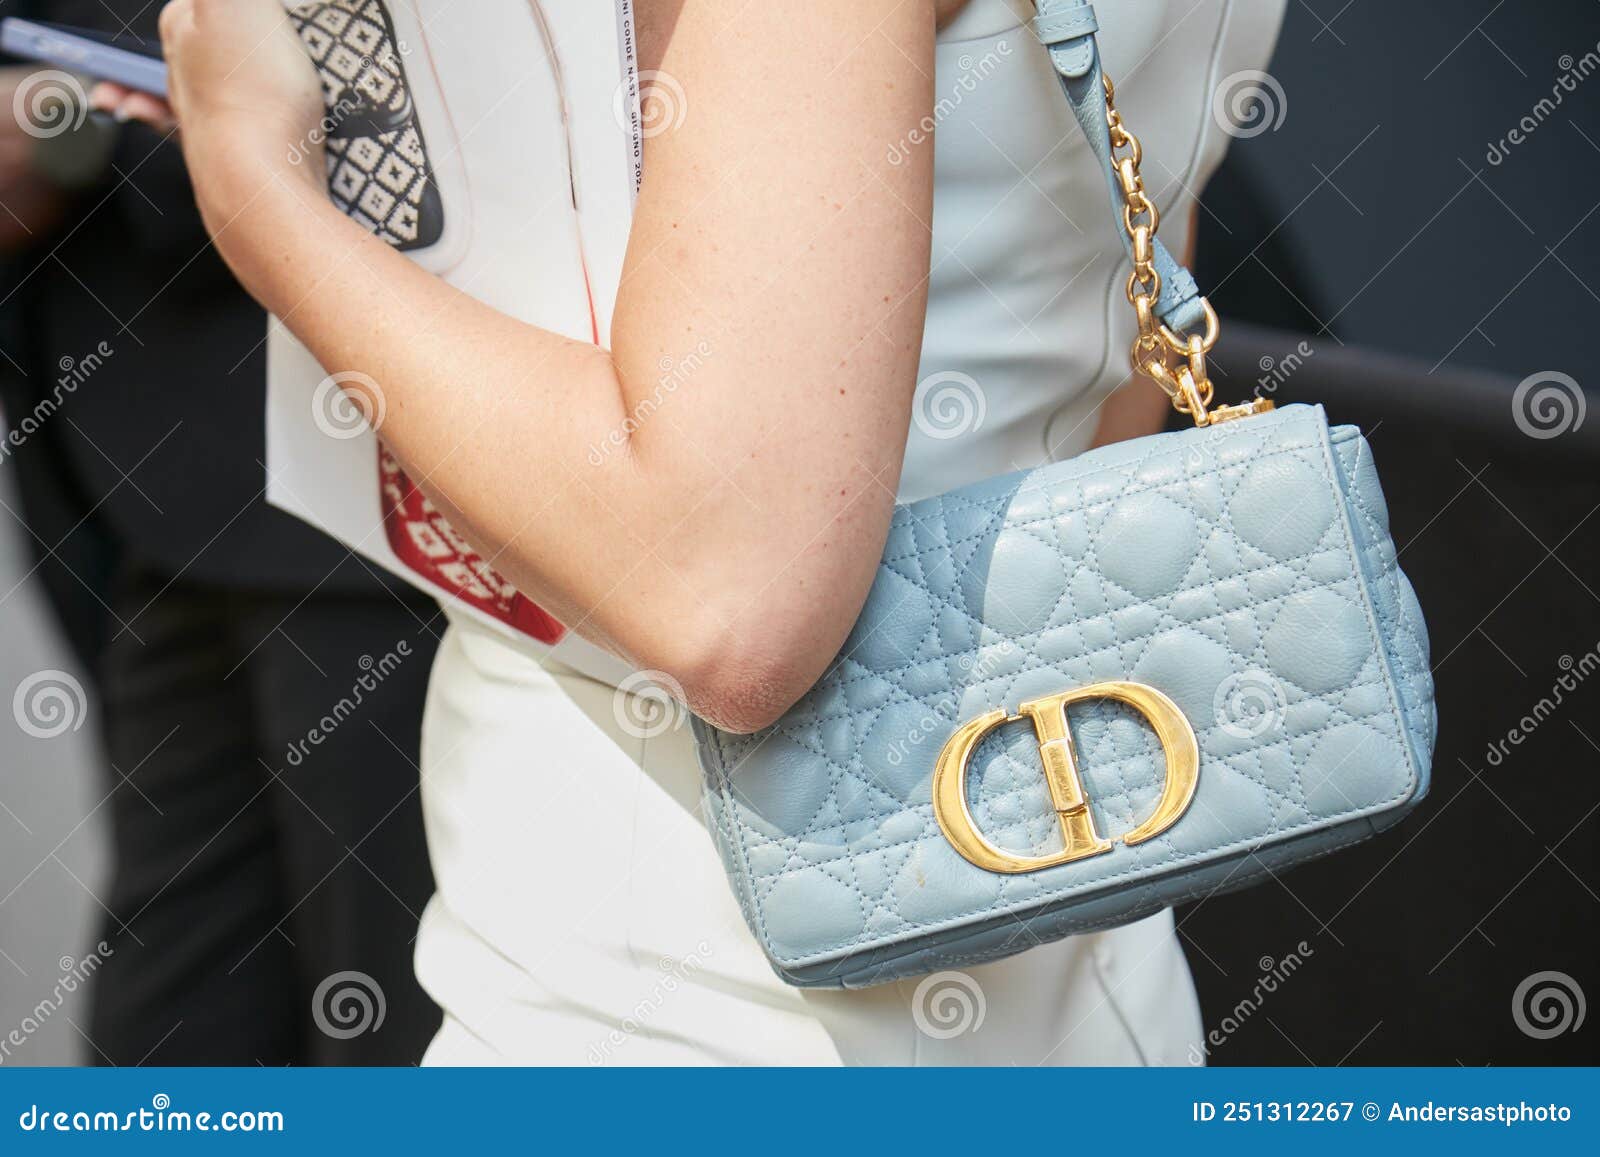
(127, 104)
(151, 110)
(106, 96)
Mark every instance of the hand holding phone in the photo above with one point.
(378, 169)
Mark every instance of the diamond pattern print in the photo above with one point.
(422, 539)
(379, 177)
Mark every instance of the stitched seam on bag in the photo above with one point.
(1395, 698)
(1060, 892)
(1056, 517)
(1231, 883)
(1175, 622)
(791, 842)
(869, 672)
(950, 953)
(1171, 622)
(1418, 678)
(837, 769)
(1276, 829)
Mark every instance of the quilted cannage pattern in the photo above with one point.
(1245, 570)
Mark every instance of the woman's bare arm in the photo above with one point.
(728, 534)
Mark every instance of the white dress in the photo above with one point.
(582, 915)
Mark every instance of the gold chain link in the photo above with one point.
(1175, 362)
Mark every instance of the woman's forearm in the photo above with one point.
(628, 524)
(726, 535)
(472, 401)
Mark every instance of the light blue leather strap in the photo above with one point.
(1067, 28)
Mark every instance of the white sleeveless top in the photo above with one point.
(582, 915)
(1026, 295)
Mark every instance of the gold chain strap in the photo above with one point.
(1175, 362)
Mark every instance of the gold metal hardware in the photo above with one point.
(1175, 362)
(1060, 759)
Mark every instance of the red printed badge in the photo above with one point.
(426, 542)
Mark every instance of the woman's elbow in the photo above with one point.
(743, 704)
(744, 682)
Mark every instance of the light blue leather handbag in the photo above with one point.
(1086, 692)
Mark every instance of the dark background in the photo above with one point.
(1430, 283)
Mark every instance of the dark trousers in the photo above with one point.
(269, 865)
